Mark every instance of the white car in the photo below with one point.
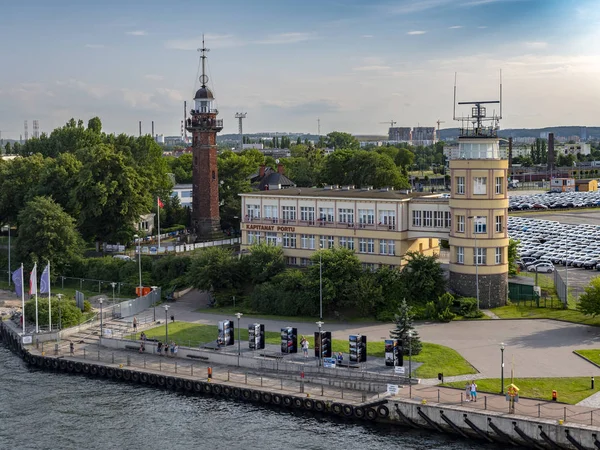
(123, 257)
(542, 267)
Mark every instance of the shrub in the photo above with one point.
(466, 307)
(440, 309)
(87, 306)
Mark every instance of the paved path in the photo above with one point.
(490, 314)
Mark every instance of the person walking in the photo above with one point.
(172, 348)
(468, 391)
(473, 391)
(159, 348)
(134, 324)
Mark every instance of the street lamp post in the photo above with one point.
(320, 324)
(101, 323)
(476, 260)
(9, 272)
(502, 368)
(154, 292)
(166, 325)
(410, 333)
(139, 262)
(239, 316)
(59, 314)
(320, 284)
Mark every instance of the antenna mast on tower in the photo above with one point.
(36, 129)
(26, 131)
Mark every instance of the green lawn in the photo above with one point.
(570, 390)
(592, 355)
(435, 358)
(532, 312)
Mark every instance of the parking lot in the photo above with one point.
(562, 200)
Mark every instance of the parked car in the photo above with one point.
(542, 267)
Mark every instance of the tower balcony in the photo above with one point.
(200, 123)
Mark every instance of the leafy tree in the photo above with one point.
(263, 262)
(95, 125)
(235, 170)
(340, 140)
(404, 159)
(110, 195)
(58, 180)
(182, 168)
(439, 309)
(513, 255)
(589, 301)
(422, 278)
(404, 321)
(366, 294)
(302, 172)
(216, 269)
(70, 314)
(173, 213)
(289, 293)
(19, 179)
(7, 148)
(47, 233)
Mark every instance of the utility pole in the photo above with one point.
(240, 117)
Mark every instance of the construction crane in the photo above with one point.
(439, 137)
(391, 122)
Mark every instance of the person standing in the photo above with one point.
(159, 348)
(175, 350)
(304, 344)
(134, 324)
(473, 391)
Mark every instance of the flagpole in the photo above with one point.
(23, 297)
(37, 326)
(49, 302)
(158, 208)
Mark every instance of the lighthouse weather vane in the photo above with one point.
(203, 50)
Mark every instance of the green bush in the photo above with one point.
(466, 307)
(70, 314)
(439, 310)
(173, 228)
(87, 306)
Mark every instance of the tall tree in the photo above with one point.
(47, 233)
(7, 148)
(95, 125)
(110, 195)
(338, 139)
(404, 321)
(422, 278)
(589, 301)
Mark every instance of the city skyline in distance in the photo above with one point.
(351, 63)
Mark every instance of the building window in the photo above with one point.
(387, 218)
(447, 219)
(362, 246)
(460, 185)
(480, 224)
(347, 243)
(460, 224)
(308, 241)
(290, 260)
(460, 255)
(253, 237)
(499, 224)
(326, 241)
(307, 214)
(479, 256)
(346, 215)
(304, 262)
(289, 240)
(416, 218)
(498, 255)
(499, 185)
(326, 215)
(438, 219)
(370, 245)
(371, 267)
(387, 247)
(480, 185)
(366, 216)
(288, 213)
(253, 212)
(271, 212)
(427, 219)
(271, 238)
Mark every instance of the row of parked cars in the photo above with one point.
(554, 200)
(545, 243)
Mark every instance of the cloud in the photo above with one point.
(455, 27)
(370, 68)
(537, 45)
(154, 77)
(486, 2)
(94, 45)
(416, 32)
(481, 27)
(285, 38)
(367, 36)
(136, 33)
(303, 108)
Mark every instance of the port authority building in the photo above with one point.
(382, 225)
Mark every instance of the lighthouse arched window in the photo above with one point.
(203, 105)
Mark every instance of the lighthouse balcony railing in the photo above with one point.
(205, 123)
(195, 112)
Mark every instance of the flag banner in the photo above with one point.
(45, 281)
(160, 204)
(33, 281)
(17, 278)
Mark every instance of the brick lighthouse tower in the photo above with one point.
(204, 126)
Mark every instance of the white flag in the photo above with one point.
(33, 281)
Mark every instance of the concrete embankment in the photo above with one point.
(313, 394)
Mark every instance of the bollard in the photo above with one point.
(342, 394)
(485, 402)
(175, 366)
(42, 347)
(209, 373)
(554, 395)
(591, 417)
(113, 358)
(438, 396)
(592, 382)
(281, 384)
(160, 365)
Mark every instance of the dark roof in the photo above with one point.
(274, 179)
(255, 177)
(583, 181)
(204, 92)
(352, 193)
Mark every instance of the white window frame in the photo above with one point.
(460, 224)
(460, 255)
(271, 238)
(253, 211)
(499, 185)
(447, 219)
(416, 217)
(253, 237)
(480, 256)
(271, 212)
(480, 225)
(479, 185)
(387, 217)
(289, 240)
(438, 219)
(288, 213)
(370, 245)
(366, 216)
(362, 245)
(346, 215)
(427, 219)
(498, 255)
(326, 215)
(307, 213)
(460, 185)
(499, 224)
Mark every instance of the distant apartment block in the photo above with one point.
(399, 134)
(184, 193)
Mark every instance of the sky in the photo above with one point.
(353, 64)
